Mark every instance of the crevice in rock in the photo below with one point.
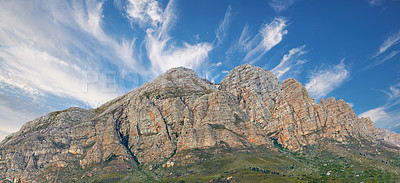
(124, 139)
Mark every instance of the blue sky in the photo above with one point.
(59, 54)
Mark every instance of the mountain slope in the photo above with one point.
(179, 120)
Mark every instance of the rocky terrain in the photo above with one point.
(388, 136)
(167, 121)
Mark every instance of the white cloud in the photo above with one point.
(222, 29)
(280, 5)
(8, 79)
(269, 36)
(244, 38)
(393, 93)
(389, 56)
(383, 60)
(381, 55)
(379, 2)
(375, 114)
(241, 46)
(144, 11)
(375, 2)
(273, 33)
(16, 109)
(38, 73)
(11, 118)
(388, 43)
(288, 61)
(162, 50)
(324, 81)
(216, 64)
(388, 115)
(164, 55)
(350, 104)
(48, 48)
(119, 52)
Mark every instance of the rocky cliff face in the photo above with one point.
(300, 121)
(388, 136)
(175, 112)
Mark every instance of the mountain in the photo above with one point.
(179, 127)
(388, 136)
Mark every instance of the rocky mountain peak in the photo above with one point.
(295, 90)
(256, 90)
(175, 113)
(252, 78)
(340, 107)
(176, 73)
(179, 78)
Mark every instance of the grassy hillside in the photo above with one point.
(332, 163)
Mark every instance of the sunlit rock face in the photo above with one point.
(175, 112)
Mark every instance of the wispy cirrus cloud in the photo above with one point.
(144, 12)
(11, 111)
(162, 50)
(48, 49)
(241, 46)
(379, 2)
(375, 114)
(384, 59)
(288, 62)
(375, 2)
(388, 43)
(222, 29)
(280, 5)
(269, 36)
(323, 81)
(381, 56)
(216, 64)
(387, 115)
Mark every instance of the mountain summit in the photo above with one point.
(178, 121)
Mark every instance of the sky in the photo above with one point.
(59, 54)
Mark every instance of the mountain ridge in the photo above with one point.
(156, 123)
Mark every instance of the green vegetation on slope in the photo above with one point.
(333, 163)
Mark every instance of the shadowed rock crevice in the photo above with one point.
(124, 139)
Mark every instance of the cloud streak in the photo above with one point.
(289, 61)
(269, 36)
(222, 29)
(48, 52)
(324, 81)
(383, 60)
(388, 115)
(162, 50)
(388, 43)
(381, 55)
(48, 49)
(144, 12)
(280, 5)
(379, 2)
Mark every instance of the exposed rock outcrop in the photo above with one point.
(256, 90)
(388, 136)
(300, 121)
